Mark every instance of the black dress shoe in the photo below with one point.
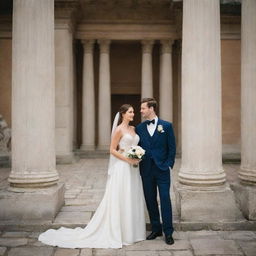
(154, 235)
(169, 240)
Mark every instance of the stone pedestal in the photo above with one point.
(20, 205)
(209, 206)
(245, 196)
(104, 121)
(146, 72)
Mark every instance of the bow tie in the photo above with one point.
(148, 122)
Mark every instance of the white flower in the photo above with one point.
(136, 152)
(160, 128)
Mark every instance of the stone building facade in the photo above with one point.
(67, 65)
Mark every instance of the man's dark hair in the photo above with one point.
(151, 102)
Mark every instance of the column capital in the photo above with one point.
(166, 46)
(88, 45)
(147, 45)
(104, 45)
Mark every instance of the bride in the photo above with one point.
(119, 219)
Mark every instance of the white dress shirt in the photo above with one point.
(152, 127)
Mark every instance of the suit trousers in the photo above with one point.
(158, 179)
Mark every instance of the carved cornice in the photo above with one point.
(67, 14)
(126, 31)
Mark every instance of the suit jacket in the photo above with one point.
(160, 147)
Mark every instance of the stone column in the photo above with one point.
(104, 96)
(165, 87)
(201, 95)
(88, 126)
(33, 102)
(64, 89)
(146, 72)
(248, 93)
(245, 192)
(202, 179)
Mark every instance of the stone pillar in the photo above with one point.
(104, 96)
(33, 118)
(64, 89)
(201, 95)
(245, 192)
(248, 93)
(202, 179)
(146, 72)
(165, 87)
(33, 102)
(88, 110)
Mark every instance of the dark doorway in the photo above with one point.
(118, 100)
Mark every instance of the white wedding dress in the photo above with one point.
(119, 219)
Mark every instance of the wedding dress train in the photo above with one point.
(119, 219)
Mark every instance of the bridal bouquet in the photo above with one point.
(135, 152)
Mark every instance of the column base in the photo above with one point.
(247, 176)
(25, 205)
(212, 204)
(246, 199)
(202, 179)
(66, 159)
(34, 179)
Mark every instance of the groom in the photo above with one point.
(157, 138)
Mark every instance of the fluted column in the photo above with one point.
(104, 96)
(248, 93)
(88, 128)
(201, 94)
(165, 87)
(33, 94)
(146, 72)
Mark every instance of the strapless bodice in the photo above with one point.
(128, 140)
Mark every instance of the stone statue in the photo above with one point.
(5, 136)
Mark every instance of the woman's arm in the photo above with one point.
(113, 148)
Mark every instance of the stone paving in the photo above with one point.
(195, 243)
(85, 182)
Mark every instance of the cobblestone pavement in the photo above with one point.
(228, 243)
(85, 182)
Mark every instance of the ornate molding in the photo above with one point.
(66, 13)
(166, 46)
(147, 46)
(88, 45)
(104, 45)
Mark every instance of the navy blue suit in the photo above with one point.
(155, 172)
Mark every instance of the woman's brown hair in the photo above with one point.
(122, 110)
